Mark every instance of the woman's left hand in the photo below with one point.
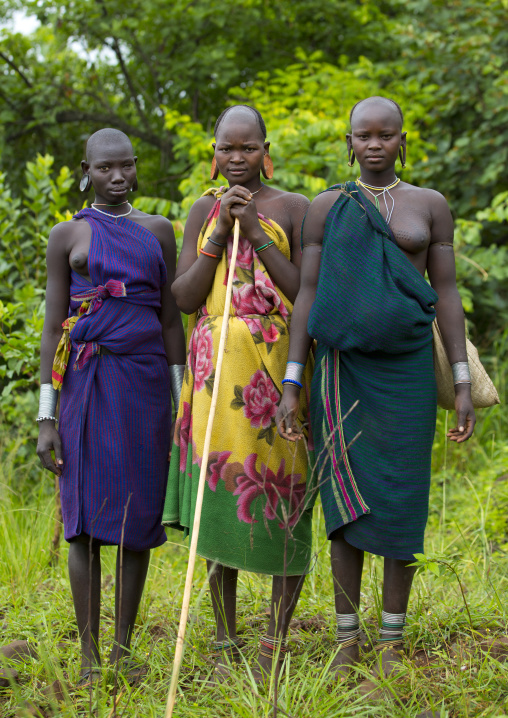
(466, 418)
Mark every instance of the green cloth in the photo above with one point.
(372, 318)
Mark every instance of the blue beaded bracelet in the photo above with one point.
(292, 381)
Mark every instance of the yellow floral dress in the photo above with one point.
(257, 488)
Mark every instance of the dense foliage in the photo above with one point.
(163, 71)
(144, 66)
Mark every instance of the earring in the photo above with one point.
(267, 167)
(402, 156)
(214, 170)
(134, 187)
(85, 183)
(351, 158)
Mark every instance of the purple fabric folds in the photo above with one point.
(115, 408)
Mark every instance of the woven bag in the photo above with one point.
(483, 391)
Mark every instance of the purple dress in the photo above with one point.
(115, 408)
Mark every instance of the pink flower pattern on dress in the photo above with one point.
(260, 398)
(252, 484)
(245, 253)
(266, 292)
(246, 300)
(201, 353)
(270, 334)
(216, 462)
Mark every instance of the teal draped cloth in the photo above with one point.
(372, 319)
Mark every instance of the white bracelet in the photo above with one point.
(176, 373)
(47, 403)
(460, 371)
(294, 371)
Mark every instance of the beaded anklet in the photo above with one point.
(348, 630)
(274, 645)
(232, 644)
(392, 629)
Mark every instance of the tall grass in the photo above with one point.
(450, 667)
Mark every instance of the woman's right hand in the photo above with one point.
(287, 412)
(235, 195)
(49, 440)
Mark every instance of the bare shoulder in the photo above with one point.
(431, 199)
(293, 200)
(64, 233)
(314, 226)
(200, 210)
(323, 203)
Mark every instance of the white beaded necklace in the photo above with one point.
(384, 191)
(109, 214)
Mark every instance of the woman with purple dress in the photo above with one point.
(109, 276)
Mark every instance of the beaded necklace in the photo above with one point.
(384, 192)
(109, 214)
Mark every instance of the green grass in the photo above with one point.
(446, 670)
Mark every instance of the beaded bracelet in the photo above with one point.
(208, 254)
(292, 381)
(264, 246)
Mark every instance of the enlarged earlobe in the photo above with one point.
(267, 167)
(402, 155)
(85, 183)
(134, 187)
(351, 158)
(214, 170)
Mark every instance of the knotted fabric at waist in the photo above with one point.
(91, 301)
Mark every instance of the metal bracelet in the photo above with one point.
(47, 402)
(176, 372)
(460, 371)
(294, 371)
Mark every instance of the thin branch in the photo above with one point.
(118, 619)
(115, 46)
(90, 574)
(16, 69)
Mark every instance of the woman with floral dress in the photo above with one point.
(257, 507)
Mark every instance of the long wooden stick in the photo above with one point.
(201, 486)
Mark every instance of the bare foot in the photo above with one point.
(391, 661)
(222, 664)
(89, 677)
(343, 663)
(263, 670)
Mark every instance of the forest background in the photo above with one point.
(162, 72)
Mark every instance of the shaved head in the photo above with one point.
(242, 112)
(106, 139)
(368, 106)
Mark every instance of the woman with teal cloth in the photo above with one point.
(366, 248)
(382, 325)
